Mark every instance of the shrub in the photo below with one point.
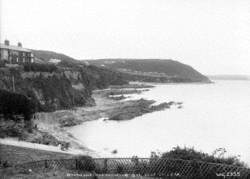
(191, 154)
(36, 67)
(187, 162)
(85, 163)
(120, 169)
(2, 63)
(12, 104)
(6, 164)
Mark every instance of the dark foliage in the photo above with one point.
(197, 164)
(36, 67)
(12, 104)
(101, 78)
(85, 163)
(2, 63)
(192, 154)
(69, 64)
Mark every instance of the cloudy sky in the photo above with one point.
(211, 35)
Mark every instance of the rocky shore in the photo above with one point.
(135, 108)
(51, 128)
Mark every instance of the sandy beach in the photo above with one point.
(107, 105)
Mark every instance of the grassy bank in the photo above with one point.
(15, 155)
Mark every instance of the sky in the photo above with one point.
(213, 36)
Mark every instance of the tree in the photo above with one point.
(13, 104)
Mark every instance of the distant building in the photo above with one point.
(15, 54)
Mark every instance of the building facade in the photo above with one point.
(15, 54)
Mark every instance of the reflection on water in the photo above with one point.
(213, 116)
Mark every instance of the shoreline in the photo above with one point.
(105, 107)
(52, 128)
(86, 114)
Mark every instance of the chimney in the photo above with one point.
(7, 42)
(19, 44)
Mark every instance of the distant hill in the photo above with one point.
(149, 70)
(158, 68)
(44, 56)
(229, 77)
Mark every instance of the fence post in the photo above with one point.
(46, 164)
(105, 167)
(135, 160)
(196, 170)
(76, 166)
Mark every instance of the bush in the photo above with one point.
(85, 163)
(120, 169)
(11, 131)
(191, 154)
(13, 104)
(189, 162)
(36, 67)
(2, 63)
(5, 164)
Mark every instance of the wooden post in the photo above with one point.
(46, 164)
(13, 83)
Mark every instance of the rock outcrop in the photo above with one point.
(63, 88)
(137, 108)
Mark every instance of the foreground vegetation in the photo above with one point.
(16, 112)
(12, 155)
(170, 164)
(191, 154)
(17, 120)
(13, 104)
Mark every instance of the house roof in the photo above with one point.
(16, 48)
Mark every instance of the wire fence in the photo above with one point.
(145, 167)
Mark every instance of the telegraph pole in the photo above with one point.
(13, 84)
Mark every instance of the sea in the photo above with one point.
(212, 116)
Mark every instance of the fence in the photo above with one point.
(146, 167)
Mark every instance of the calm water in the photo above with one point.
(213, 116)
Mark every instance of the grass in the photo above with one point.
(17, 155)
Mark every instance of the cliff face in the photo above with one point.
(50, 91)
(62, 85)
(58, 87)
